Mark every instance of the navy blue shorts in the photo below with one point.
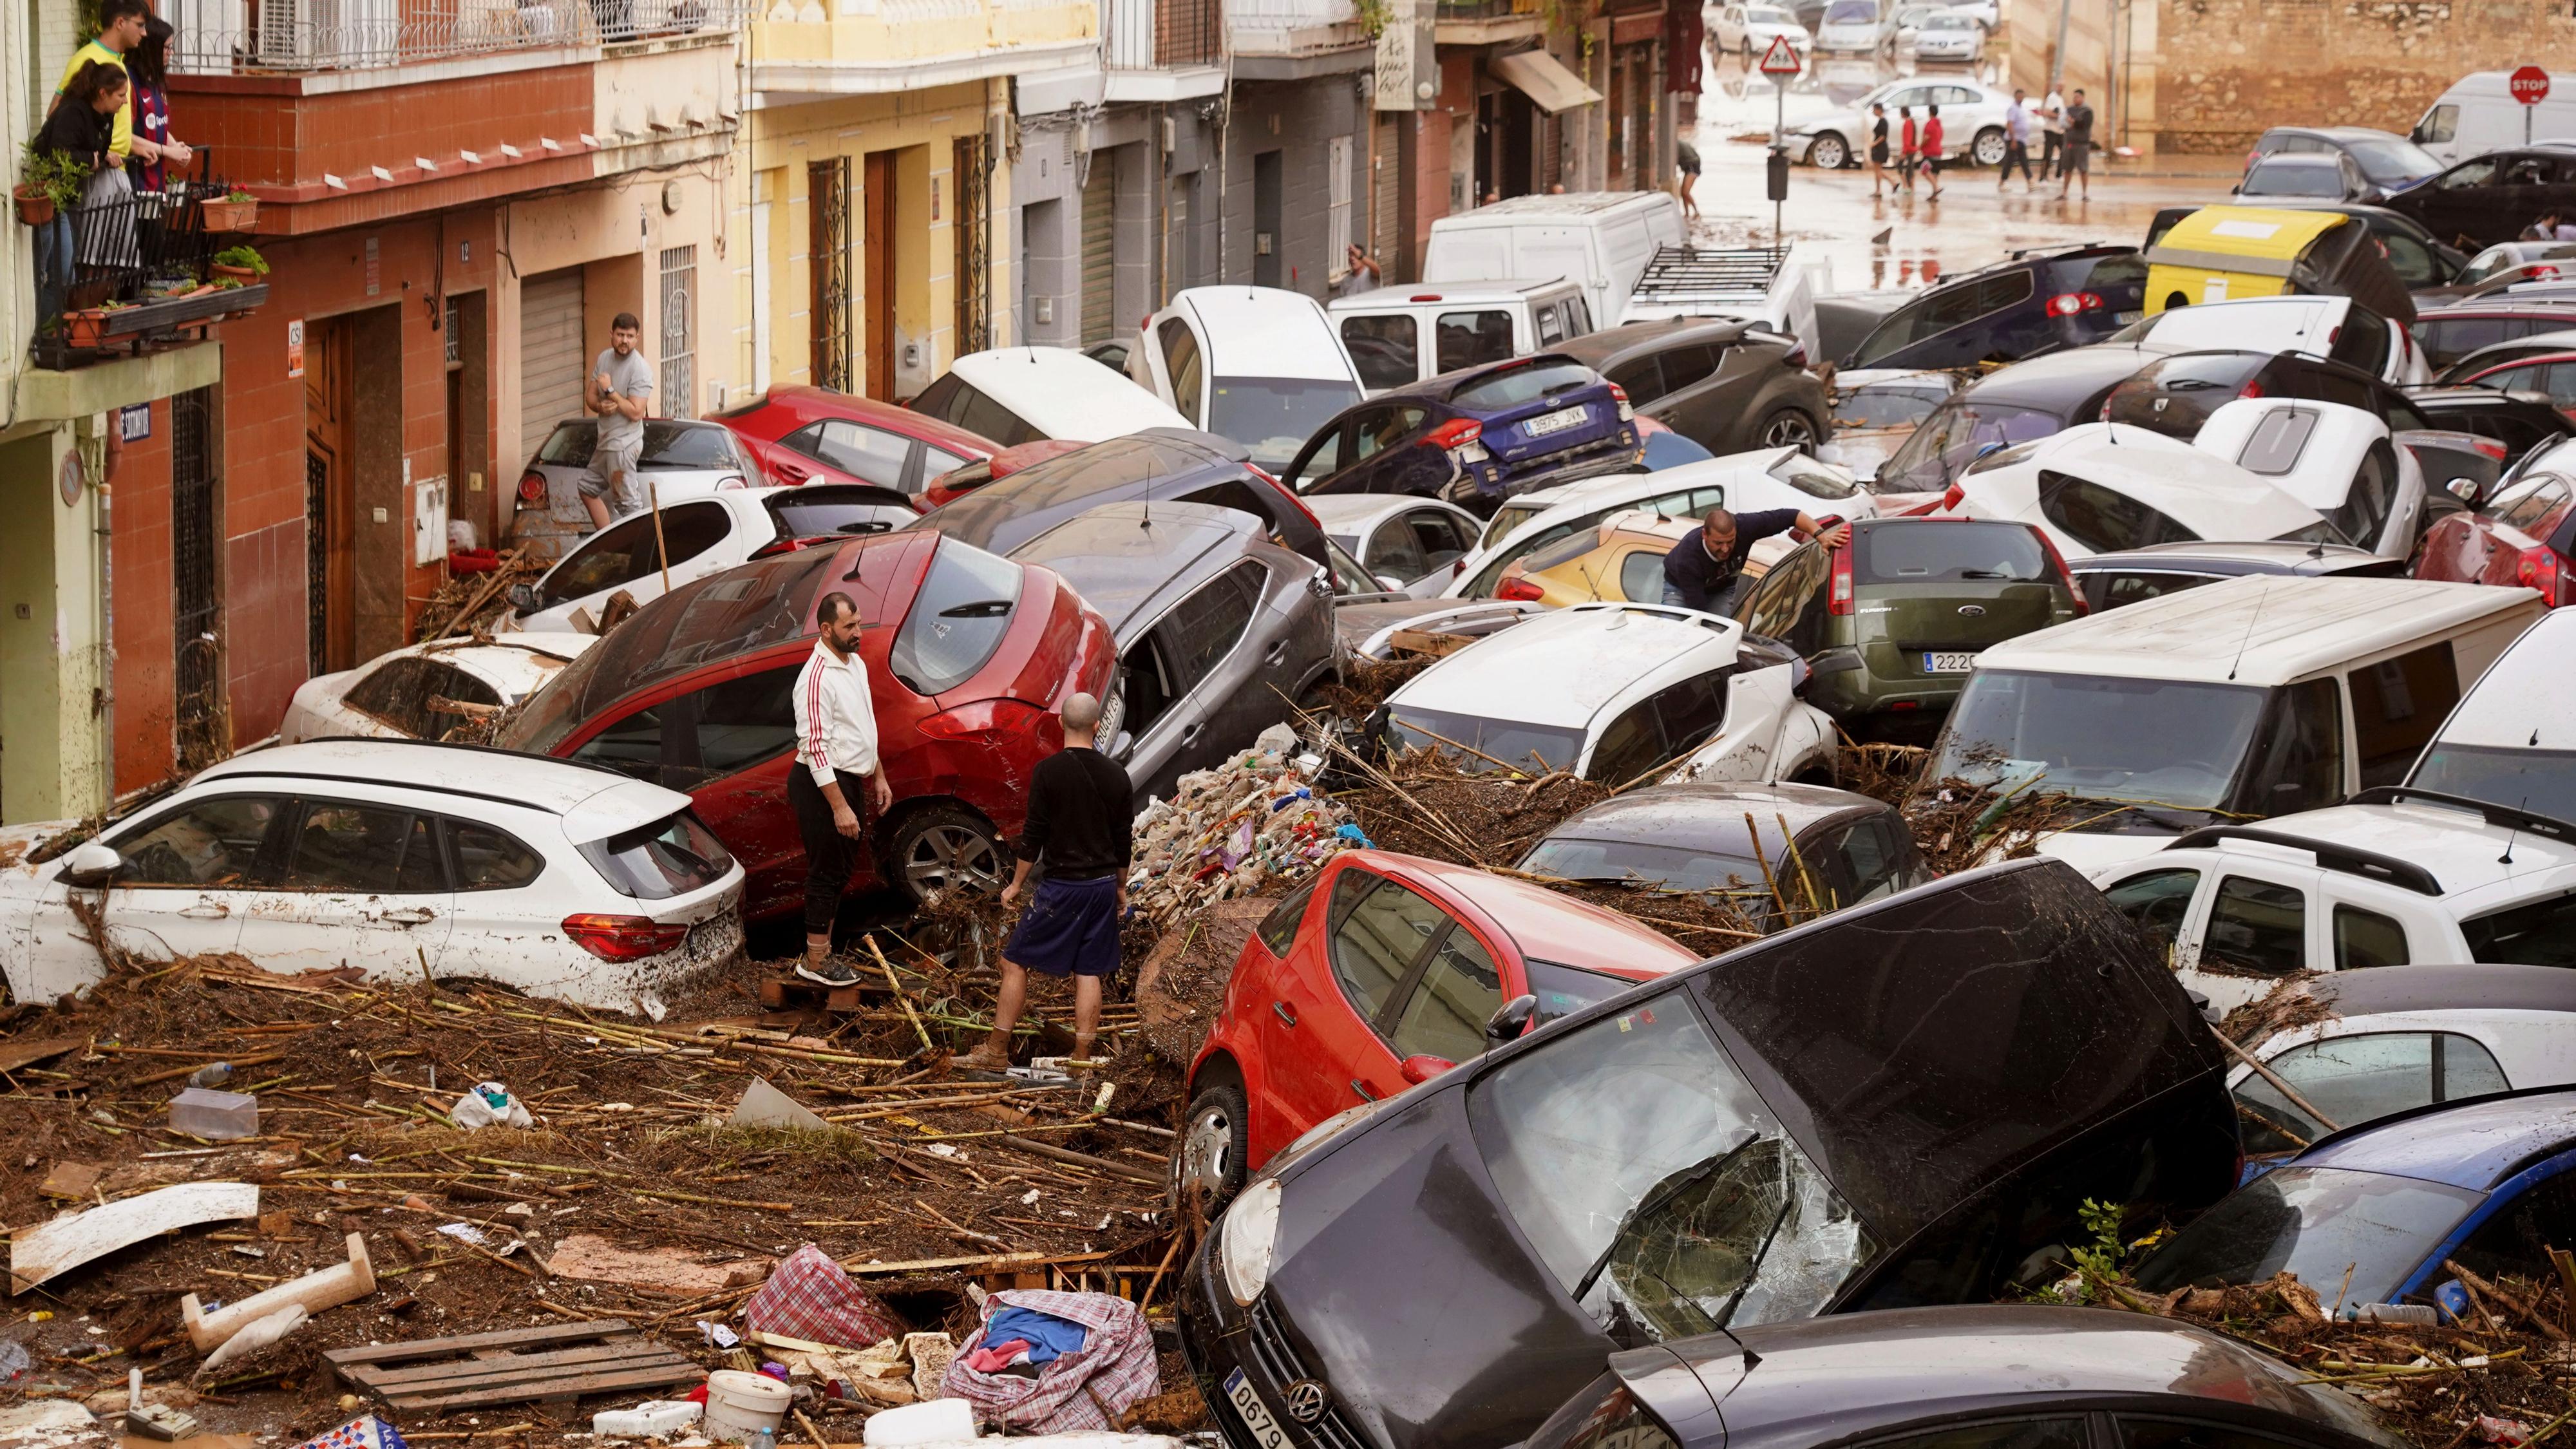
(1069, 929)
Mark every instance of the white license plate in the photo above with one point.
(1256, 1414)
(1556, 422)
(2125, 318)
(1949, 663)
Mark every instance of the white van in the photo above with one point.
(2257, 696)
(1401, 335)
(1600, 239)
(2477, 115)
(1016, 395)
(2512, 741)
(1259, 365)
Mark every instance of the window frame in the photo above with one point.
(282, 842)
(263, 866)
(1381, 1023)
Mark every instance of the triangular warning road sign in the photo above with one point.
(1779, 59)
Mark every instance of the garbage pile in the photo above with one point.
(1251, 826)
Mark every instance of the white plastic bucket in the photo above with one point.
(739, 1402)
(936, 1421)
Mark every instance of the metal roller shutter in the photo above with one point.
(1384, 225)
(1099, 205)
(551, 359)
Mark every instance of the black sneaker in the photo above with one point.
(830, 973)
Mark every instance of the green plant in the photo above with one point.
(1373, 16)
(227, 284)
(55, 174)
(245, 257)
(237, 194)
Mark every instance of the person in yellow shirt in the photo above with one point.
(120, 29)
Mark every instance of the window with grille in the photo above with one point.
(679, 331)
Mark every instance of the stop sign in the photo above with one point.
(2530, 85)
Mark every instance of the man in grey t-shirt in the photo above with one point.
(620, 393)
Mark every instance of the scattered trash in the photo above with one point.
(489, 1104)
(738, 1403)
(809, 1297)
(2502, 1431)
(316, 1291)
(251, 1337)
(1112, 1368)
(717, 1334)
(71, 1180)
(39, 1253)
(1233, 830)
(931, 1354)
(763, 1105)
(653, 1418)
(364, 1432)
(2419, 1315)
(13, 1360)
(153, 1421)
(23, 1423)
(464, 1233)
(940, 1421)
(212, 1074)
(215, 1116)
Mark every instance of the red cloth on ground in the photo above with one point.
(809, 1297)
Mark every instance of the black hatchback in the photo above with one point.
(2037, 302)
(1901, 1104)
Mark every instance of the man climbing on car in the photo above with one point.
(1706, 570)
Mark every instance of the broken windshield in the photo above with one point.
(1656, 1186)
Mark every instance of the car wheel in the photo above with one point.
(1209, 1158)
(1828, 153)
(942, 846)
(1790, 428)
(1989, 147)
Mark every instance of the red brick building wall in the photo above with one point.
(144, 651)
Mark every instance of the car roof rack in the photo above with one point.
(2404, 874)
(2494, 814)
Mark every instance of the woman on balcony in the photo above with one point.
(81, 128)
(158, 155)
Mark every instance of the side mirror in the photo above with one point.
(1514, 1018)
(523, 597)
(2464, 489)
(1390, 583)
(1421, 1069)
(91, 865)
(1119, 746)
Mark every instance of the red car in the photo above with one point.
(968, 656)
(816, 435)
(1391, 982)
(2527, 537)
(1001, 465)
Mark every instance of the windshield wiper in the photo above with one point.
(1664, 1192)
(980, 609)
(1753, 1268)
(1984, 574)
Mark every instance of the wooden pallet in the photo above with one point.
(560, 1361)
(787, 991)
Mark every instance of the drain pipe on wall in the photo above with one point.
(111, 442)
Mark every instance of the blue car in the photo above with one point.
(2372, 1214)
(1475, 436)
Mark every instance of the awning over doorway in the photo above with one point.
(1545, 80)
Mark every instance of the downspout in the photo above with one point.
(106, 532)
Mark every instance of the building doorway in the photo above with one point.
(1268, 180)
(827, 269)
(878, 249)
(330, 498)
(197, 615)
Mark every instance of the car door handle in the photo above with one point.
(1285, 1014)
(207, 911)
(410, 916)
(1191, 735)
(1278, 652)
(1360, 1087)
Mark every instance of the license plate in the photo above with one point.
(2125, 318)
(1949, 663)
(1256, 1414)
(1557, 422)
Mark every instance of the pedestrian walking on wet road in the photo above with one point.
(2017, 128)
(2052, 134)
(1686, 161)
(1877, 147)
(1080, 828)
(2079, 146)
(836, 749)
(1932, 139)
(1909, 152)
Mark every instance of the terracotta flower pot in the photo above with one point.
(244, 275)
(230, 215)
(85, 329)
(35, 207)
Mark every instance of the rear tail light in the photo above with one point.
(1520, 589)
(2543, 274)
(2251, 389)
(1284, 491)
(1797, 357)
(623, 938)
(777, 546)
(1840, 600)
(988, 721)
(733, 480)
(1459, 432)
(2068, 304)
(1619, 395)
(2539, 569)
(1956, 494)
(532, 487)
(2065, 575)
(2489, 447)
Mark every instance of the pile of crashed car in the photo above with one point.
(2192, 551)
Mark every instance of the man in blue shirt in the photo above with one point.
(1706, 570)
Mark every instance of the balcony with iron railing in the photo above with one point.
(1267, 28)
(268, 37)
(121, 273)
(857, 47)
(1475, 22)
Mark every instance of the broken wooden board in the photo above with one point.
(990, 1264)
(1425, 641)
(15, 1054)
(519, 1365)
(71, 1180)
(40, 1253)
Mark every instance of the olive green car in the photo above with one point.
(1891, 622)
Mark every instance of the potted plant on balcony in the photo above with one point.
(241, 265)
(49, 183)
(234, 212)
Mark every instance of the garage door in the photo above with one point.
(1384, 171)
(551, 358)
(1099, 208)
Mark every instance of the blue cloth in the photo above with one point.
(1049, 1337)
(1070, 928)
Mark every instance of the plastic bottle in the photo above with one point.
(761, 1439)
(212, 1074)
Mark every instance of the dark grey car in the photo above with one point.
(1219, 631)
(2000, 1377)
(1727, 386)
(1735, 840)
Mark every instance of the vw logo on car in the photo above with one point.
(1307, 1399)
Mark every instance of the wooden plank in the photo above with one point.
(497, 1370)
(1424, 641)
(602, 1383)
(505, 1338)
(39, 1253)
(988, 1264)
(16, 1054)
(536, 1383)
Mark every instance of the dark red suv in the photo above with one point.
(817, 435)
(968, 656)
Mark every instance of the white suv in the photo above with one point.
(398, 857)
(2396, 876)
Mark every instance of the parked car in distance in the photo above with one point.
(2339, 327)
(2382, 1210)
(2511, 740)
(2153, 722)
(2330, 177)
(1392, 981)
(1913, 1378)
(2479, 112)
(2491, 198)
(2507, 263)
(2009, 405)
(819, 435)
(1750, 28)
(2549, 374)
(408, 693)
(2538, 344)
(1767, 1136)
(1891, 622)
(2453, 330)
(1727, 386)
(2387, 162)
(2418, 259)
(2107, 487)
(1260, 365)
(1018, 395)
(679, 460)
(1220, 632)
(1474, 437)
(2395, 1038)
(1819, 843)
(2525, 539)
(1946, 35)
(968, 657)
(1615, 692)
(559, 881)
(1407, 545)
(2133, 576)
(690, 540)
(1179, 464)
(1401, 335)
(1856, 27)
(1972, 113)
(1875, 410)
(2037, 302)
(959, 482)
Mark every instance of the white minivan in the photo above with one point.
(2478, 114)
(1259, 365)
(1600, 239)
(1400, 335)
(2512, 741)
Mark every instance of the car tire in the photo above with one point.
(1210, 1155)
(1828, 152)
(938, 846)
(1988, 148)
(1788, 428)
